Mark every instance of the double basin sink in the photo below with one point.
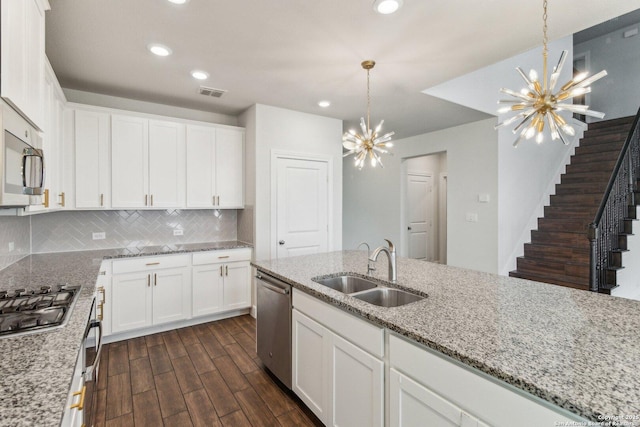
(368, 291)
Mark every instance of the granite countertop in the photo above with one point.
(36, 370)
(576, 349)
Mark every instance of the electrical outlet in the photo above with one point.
(12, 246)
(472, 217)
(178, 232)
(99, 236)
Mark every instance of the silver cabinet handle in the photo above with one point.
(146, 198)
(226, 270)
(281, 242)
(148, 280)
(152, 200)
(101, 199)
(155, 279)
(221, 271)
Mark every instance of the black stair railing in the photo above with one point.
(608, 223)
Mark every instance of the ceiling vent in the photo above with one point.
(209, 91)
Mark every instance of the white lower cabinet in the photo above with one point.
(149, 291)
(221, 281)
(428, 388)
(339, 381)
(412, 404)
(73, 412)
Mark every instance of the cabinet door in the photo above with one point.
(310, 359)
(92, 159)
(103, 301)
(412, 404)
(207, 283)
(358, 386)
(237, 285)
(129, 162)
(166, 164)
(201, 143)
(34, 76)
(229, 158)
(131, 301)
(170, 295)
(12, 51)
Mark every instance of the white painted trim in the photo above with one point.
(442, 217)
(174, 325)
(282, 154)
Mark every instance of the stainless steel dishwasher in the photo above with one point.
(274, 326)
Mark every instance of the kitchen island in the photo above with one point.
(576, 350)
(36, 369)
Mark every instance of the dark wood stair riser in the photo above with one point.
(614, 146)
(596, 188)
(560, 238)
(559, 224)
(550, 280)
(550, 268)
(615, 258)
(604, 166)
(595, 157)
(558, 253)
(579, 177)
(576, 200)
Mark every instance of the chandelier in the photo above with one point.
(537, 104)
(368, 143)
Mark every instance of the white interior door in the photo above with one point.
(302, 207)
(420, 221)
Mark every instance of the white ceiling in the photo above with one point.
(293, 53)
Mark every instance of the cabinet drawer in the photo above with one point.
(215, 257)
(149, 263)
(363, 334)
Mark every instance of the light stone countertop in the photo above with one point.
(576, 349)
(36, 370)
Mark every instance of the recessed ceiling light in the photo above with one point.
(386, 7)
(160, 50)
(199, 75)
(178, 1)
(324, 104)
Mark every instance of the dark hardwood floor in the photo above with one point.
(203, 375)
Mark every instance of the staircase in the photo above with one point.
(559, 251)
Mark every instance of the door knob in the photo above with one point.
(409, 228)
(281, 242)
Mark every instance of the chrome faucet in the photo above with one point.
(369, 267)
(391, 255)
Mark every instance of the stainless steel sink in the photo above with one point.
(346, 284)
(387, 297)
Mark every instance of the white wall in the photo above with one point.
(292, 132)
(372, 197)
(618, 94)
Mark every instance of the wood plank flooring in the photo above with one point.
(204, 375)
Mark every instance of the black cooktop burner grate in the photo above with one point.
(25, 311)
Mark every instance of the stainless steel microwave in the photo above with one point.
(21, 163)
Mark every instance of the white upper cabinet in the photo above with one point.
(92, 159)
(129, 162)
(215, 167)
(166, 164)
(229, 168)
(22, 58)
(147, 163)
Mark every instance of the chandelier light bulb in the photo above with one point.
(538, 103)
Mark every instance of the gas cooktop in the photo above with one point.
(23, 311)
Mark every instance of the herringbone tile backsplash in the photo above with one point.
(14, 239)
(72, 231)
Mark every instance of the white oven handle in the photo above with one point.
(89, 372)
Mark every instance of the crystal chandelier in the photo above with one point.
(369, 143)
(537, 104)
